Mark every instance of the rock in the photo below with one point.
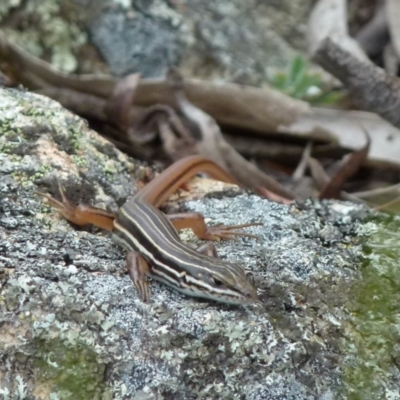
(72, 325)
(228, 40)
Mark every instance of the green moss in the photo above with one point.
(7, 128)
(26, 179)
(375, 329)
(79, 161)
(37, 112)
(75, 137)
(6, 148)
(41, 172)
(10, 140)
(73, 371)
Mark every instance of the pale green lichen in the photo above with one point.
(26, 179)
(55, 31)
(109, 167)
(368, 229)
(6, 6)
(21, 387)
(5, 393)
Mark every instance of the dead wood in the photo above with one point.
(210, 143)
(301, 168)
(329, 19)
(118, 108)
(231, 104)
(351, 164)
(371, 88)
(320, 177)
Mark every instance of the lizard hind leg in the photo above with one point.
(81, 214)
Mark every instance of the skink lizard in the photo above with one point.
(153, 245)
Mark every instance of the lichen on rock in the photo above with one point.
(73, 326)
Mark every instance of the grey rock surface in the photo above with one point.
(140, 44)
(233, 40)
(72, 325)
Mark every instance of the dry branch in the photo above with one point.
(230, 104)
(370, 86)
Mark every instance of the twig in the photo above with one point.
(371, 88)
(231, 104)
(377, 192)
(210, 142)
(320, 177)
(301, 168)
(349, 167)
